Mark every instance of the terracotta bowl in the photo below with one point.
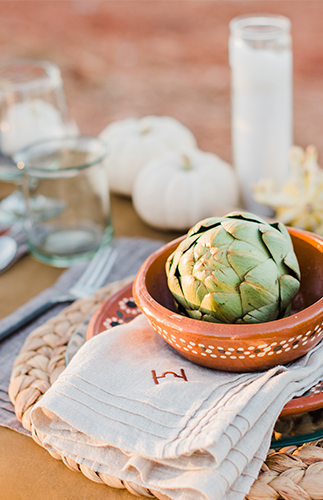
(238, 347)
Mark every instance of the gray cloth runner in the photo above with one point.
(132, 253)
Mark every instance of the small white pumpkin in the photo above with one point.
(177, 190)
(133, 142)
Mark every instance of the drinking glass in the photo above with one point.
(32, 108)
(67, 195)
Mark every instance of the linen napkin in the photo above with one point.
(130, 406)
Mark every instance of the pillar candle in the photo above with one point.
(261, 98)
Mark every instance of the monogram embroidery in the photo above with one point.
(183, 376)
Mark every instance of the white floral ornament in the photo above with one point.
(126, 311)
(128, 306)
(299, 203)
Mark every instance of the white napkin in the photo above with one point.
(202, 434)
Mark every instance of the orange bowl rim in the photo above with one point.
(151, 307)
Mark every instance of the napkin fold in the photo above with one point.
(130, 406)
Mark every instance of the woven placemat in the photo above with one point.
(291, 473)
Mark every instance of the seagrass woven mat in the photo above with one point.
(131, 254)
(291, 473)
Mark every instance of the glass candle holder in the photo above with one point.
(67, 196)
(260, 54)
(32, 106)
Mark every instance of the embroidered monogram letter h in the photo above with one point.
(183, 376)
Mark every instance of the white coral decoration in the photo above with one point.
(299, 202)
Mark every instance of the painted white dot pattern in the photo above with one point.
(240, 352)
(316, 389)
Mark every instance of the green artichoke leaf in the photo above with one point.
(269, 312)
(168, 265)
(203, 225)
(277, 245)
(211, 319)
(289, 287)
(283, 230)
(171, 263)
(244, 231)
(193, 291)
(287, 311)
(176, 290)
(216, 237)
(178, 294)
(245, 216)
(186, 263)
(225, 308)
(291, 261)
(244, 256)
(260, 287)
(203, 268)
(175, 257)
(201, 250)
(195, 314)
(186, 244)
(219, 258)
(223, 280)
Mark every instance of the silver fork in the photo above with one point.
(91, 280)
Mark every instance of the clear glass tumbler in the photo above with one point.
(260, 53)
(67, 196)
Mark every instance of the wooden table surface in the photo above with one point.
(27, 471)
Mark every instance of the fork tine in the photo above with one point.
(100, 276)
(96, 273)
(100, 269)
(92, 266)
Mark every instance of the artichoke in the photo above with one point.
(234, 269)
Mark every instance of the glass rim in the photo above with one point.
(50, 69)
(239, 26)
(28, 168)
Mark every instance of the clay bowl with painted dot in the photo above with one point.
(240, 347)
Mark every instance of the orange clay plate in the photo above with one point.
(121, 308)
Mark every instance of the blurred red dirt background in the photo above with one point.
(133, 58)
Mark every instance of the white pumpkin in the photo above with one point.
(133, 142)
(176, 191)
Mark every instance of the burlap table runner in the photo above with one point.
(293, 473)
